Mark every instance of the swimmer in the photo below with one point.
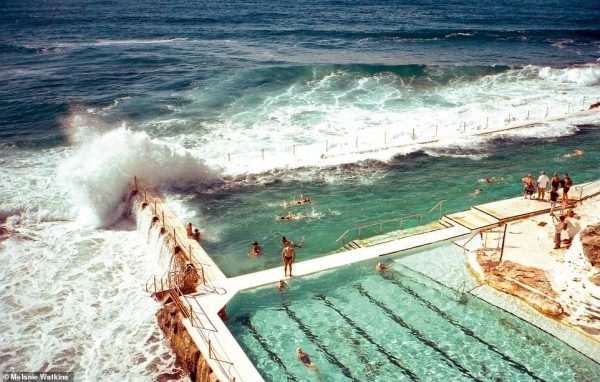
(281, 285)
(298, 202)
(575, 153)
(381, 266)
(304, 358)
(255, 250)
(475, 193)
(289, 216)
(491, 180)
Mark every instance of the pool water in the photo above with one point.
(233, 216)
(361, 325)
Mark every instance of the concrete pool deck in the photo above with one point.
(219, 290)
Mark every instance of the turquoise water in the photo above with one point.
(361, 325)
(342, 197)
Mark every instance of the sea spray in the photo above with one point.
(100, 170)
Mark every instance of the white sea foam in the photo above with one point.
(99, 171)
(584, 75)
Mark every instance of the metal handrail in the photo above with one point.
(401, 219)
(192, 315)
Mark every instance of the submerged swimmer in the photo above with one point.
(381, 266)
(475, 193)
(575, 153)
(490, 180)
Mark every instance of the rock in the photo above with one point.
(590, 239)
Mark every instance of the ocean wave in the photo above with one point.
(99, 171)
(583, 75)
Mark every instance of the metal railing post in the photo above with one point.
(503, 240)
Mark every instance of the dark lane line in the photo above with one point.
(447, 359)
(516, 365)
(330, 356)
(245, 320)
(391, 358)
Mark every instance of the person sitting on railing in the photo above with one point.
(255, 250)
(188, 230)
(196, 235)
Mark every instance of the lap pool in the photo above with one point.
(400, 324)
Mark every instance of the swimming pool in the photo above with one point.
(396, 325)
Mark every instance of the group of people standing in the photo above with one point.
(556, 183)
(567, 222)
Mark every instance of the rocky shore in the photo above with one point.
(563, 283)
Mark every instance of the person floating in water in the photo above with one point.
(490, 180)
(281, 285)
(475, 193)
(298, 202)
(288, 255)
(381, 266)
(255, 250)
(304, 358)
(289, 216)
(574, 153)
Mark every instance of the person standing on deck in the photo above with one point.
(566, 183)
(528, 186)
(288, 255)
(559, 226)
(542, 183)
(188, 230)
(554, 192)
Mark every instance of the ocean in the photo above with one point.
(230, 108)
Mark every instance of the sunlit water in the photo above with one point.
(187, 95)
(359, 324)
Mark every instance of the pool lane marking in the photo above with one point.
(330, 356)
(418, 335)
(245, 321)
(516, 365)
(392, 358)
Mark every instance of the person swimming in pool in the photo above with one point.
(381, 266)
(255, 250)
(304, 358)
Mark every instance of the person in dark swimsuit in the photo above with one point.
(288, 255)
(304, 358)
(566, 183)
(555, 183)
